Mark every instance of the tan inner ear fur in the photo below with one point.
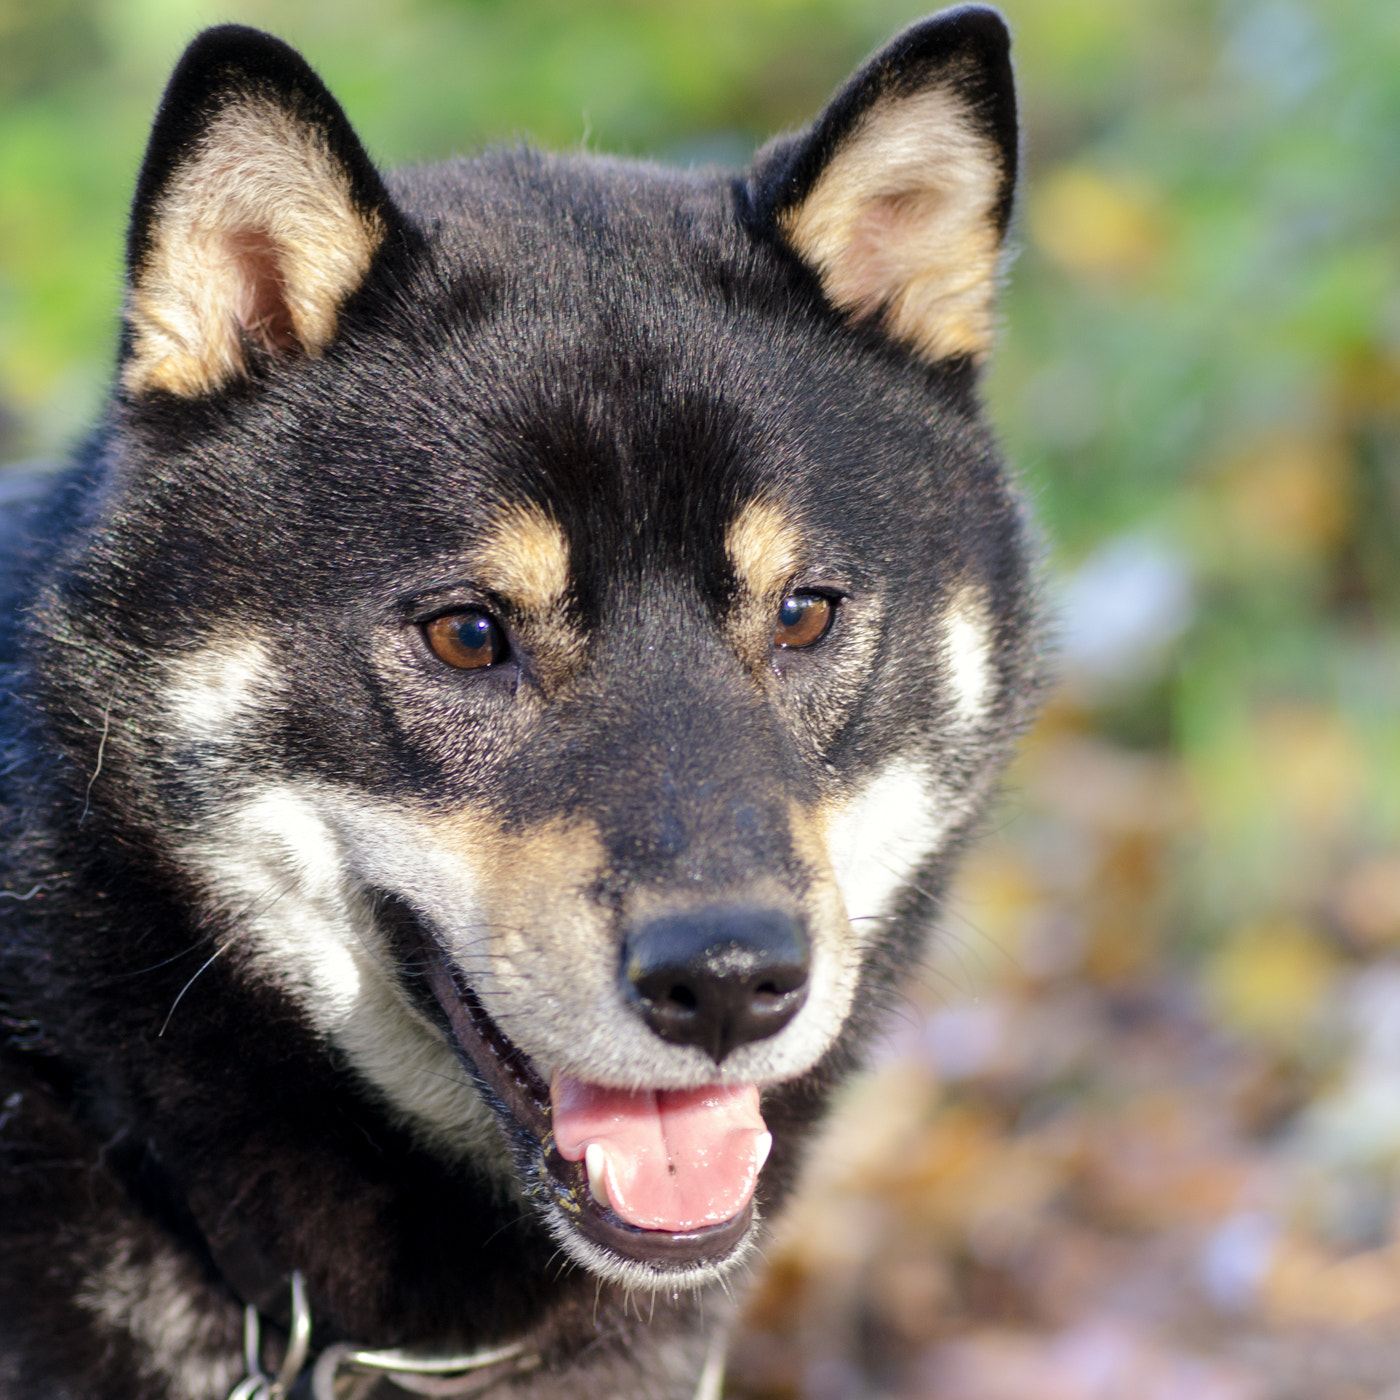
(903, 219)
(257, 237)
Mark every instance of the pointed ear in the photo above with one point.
(898, 195)
(257, 213)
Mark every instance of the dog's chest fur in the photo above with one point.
(489, 718)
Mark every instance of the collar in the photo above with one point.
(267, 1291)
(465, 1374)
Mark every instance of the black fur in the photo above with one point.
(637, 352)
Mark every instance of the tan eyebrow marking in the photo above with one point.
(764, 546)
(525, 559)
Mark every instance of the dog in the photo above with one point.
(489, 718)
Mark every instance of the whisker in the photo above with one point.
(101, 751)
(208, 963)
(154, 967)
(250, 911)
(41, 887)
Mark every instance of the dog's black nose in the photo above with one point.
(717, 978)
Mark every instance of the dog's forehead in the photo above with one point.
(599, 462)
(642, 375)
(572, 490)
(592, 426)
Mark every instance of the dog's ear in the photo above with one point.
(257, 213)
(898, 195)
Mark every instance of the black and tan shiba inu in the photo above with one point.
(488, 719)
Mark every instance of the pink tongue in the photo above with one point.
(677, 1159)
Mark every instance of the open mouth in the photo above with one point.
(662, 1179)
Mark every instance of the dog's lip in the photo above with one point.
(504, 1066)
(509, 1074)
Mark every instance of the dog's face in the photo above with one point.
(573, 609)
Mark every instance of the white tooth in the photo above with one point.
(761, 1148)
(596, 1160)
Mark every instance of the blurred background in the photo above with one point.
(1135, 1134)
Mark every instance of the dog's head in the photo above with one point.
(557, 617)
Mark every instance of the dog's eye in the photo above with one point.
(803, 620)
(466, 640)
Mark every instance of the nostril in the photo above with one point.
(717, 978)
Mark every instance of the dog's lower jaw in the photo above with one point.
(566, 1217)
(590, 1233)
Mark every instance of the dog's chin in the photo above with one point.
(588, 1231)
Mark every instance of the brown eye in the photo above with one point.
(803, 620)
(466, 640)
